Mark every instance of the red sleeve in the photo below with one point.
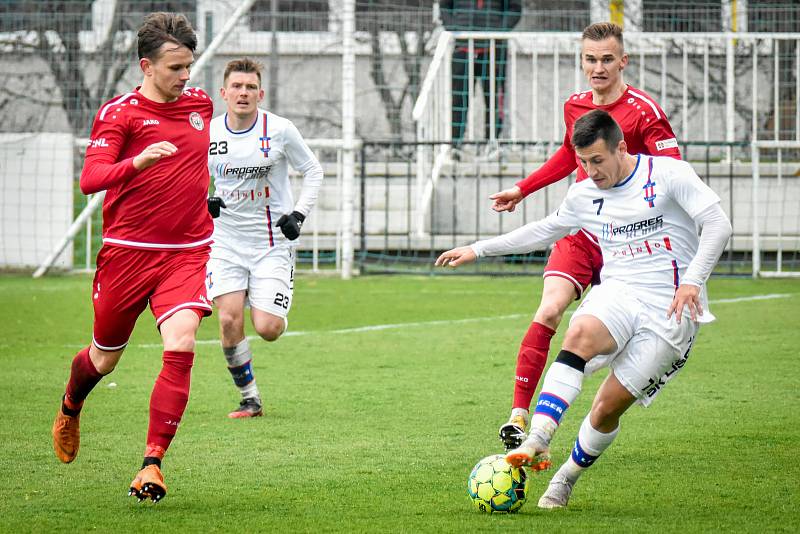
(559, 166)
(660, 140)
(101, 170)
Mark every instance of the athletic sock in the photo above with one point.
(151, 460)
(240, 365)
(168, 401)
(83, 378)
(531, 360)
(589, 445)
(561, 386)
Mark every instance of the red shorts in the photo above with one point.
(578, 259)
(127, 279)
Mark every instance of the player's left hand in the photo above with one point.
(686, 295)
(214, 205)
(455, 257)
(291, 224)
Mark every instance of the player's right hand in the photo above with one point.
(506, 200)
(455, 257)
(153, 153)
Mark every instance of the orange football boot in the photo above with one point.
(148, 484)
(66, 436)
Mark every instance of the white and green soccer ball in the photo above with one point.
(495, 486)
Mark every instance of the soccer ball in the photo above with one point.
(495, 486)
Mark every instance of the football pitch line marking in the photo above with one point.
(394, 326)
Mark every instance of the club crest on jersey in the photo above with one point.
(196, 121)
(265, 145)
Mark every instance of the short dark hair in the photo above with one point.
(603, 30)
(159, 28)
(594, 125)
(246, 65)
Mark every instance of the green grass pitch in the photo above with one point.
(376, 430)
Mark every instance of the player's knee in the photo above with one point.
(103, 365)
(182, 342)
(579, 339)
(270, 330)
(229, 320)
(549, 314)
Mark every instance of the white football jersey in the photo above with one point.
(250, 170)
(645, 226)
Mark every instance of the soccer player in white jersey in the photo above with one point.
(642, 320)
(253, 257)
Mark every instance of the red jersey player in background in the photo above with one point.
(148, 150)
(576, 260)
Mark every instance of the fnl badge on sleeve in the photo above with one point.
(667, 143)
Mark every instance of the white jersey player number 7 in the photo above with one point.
(250, 170)
(645, 226)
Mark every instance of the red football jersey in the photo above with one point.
(162, 207)
(644, 125)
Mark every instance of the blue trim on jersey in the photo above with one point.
(551, 406)
(225, 120)
(628, 179)
(581, 457)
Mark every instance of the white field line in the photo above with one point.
(395, 326)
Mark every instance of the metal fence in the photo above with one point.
(402, 231)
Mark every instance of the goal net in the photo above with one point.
(37, 197)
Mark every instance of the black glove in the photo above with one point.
(290, 224)
(214, 204)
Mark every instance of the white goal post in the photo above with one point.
(775, 206)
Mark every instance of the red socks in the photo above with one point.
(83, 378)
(531, 360)
(168, 401)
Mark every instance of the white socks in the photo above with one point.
(240, 358)
(561, 386)
(589, 445)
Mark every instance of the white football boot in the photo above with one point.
(558, 492)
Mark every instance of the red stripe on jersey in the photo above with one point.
(269, 227)
(675, 277)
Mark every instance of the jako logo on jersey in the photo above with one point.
(150, 122)
(99, 142)
(196, 121)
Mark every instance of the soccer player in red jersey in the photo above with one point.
(576, 260)
(148, 151)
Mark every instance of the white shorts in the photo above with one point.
(650, 349)
(266, 276)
